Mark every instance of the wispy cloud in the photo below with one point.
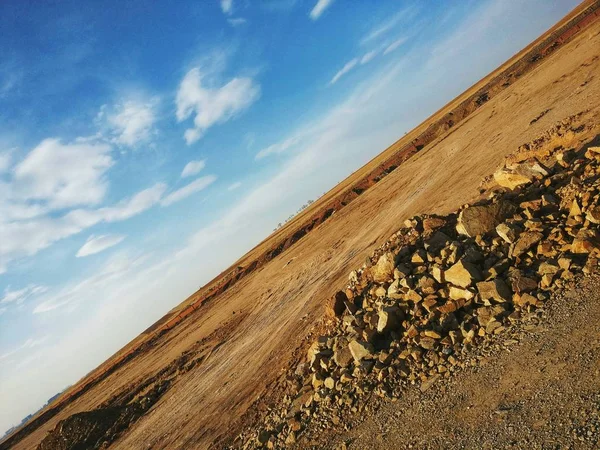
(278, 148)
(338, 141)
(211, 106)
(28, 237)
(344, 70)
(73, 293)
(394, 45)
(18, 296)
(489, 15)
(189, 189)
(368, 57)
(227, 6)
(97, 244)
(320, 8)
(130, 123)
(234, 186)
(28, 344)
(123, 210)
(5, 161)
(192, 168)
(236, 21)
(11, 77)
(403, 16)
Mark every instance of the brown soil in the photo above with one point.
(234, 347)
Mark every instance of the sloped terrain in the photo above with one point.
(241, 340)
(444, 287)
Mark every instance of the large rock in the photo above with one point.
(457, 293)
(592, 152)
(427, 285)
(342, 356)
(506, 232)
(494, 290)
(437, 241)
(525, 241)
(593, 215)
(524, 299)
(585, 242)
(388, 319)
(521, 283)
(510, 179)
(463, 274)
(395, 290)
(430, 224)
(313, 351)
(361, 350)
(478, 220)
(384, 269)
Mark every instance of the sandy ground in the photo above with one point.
(247, 334)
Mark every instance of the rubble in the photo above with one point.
(463, 274)
(441, 286)
(509, 179)
(478, 220)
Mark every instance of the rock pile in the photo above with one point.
(443, 285)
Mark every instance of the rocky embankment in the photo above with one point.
(442, 287)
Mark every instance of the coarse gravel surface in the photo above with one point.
(538, 388)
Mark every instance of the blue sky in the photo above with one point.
(145, 146)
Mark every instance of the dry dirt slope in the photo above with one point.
(275, 307)
(564, 85)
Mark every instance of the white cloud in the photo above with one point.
(123, 210)
(212, 106)
(189, 189)
(394, 45)
(26, 238)
(192, 168)
(234, 186)
(368, 57)
(28, 344)
(468, 36)
(71, 294)
(14, 209)
(227, 6)
(5, 161)
(20, 295)
(403, 16)
(131, 122)
(63, 175)
(344, 70)
(236, 21)
(97, 244)
(334, 144)
(320, 8)
(278, 148)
